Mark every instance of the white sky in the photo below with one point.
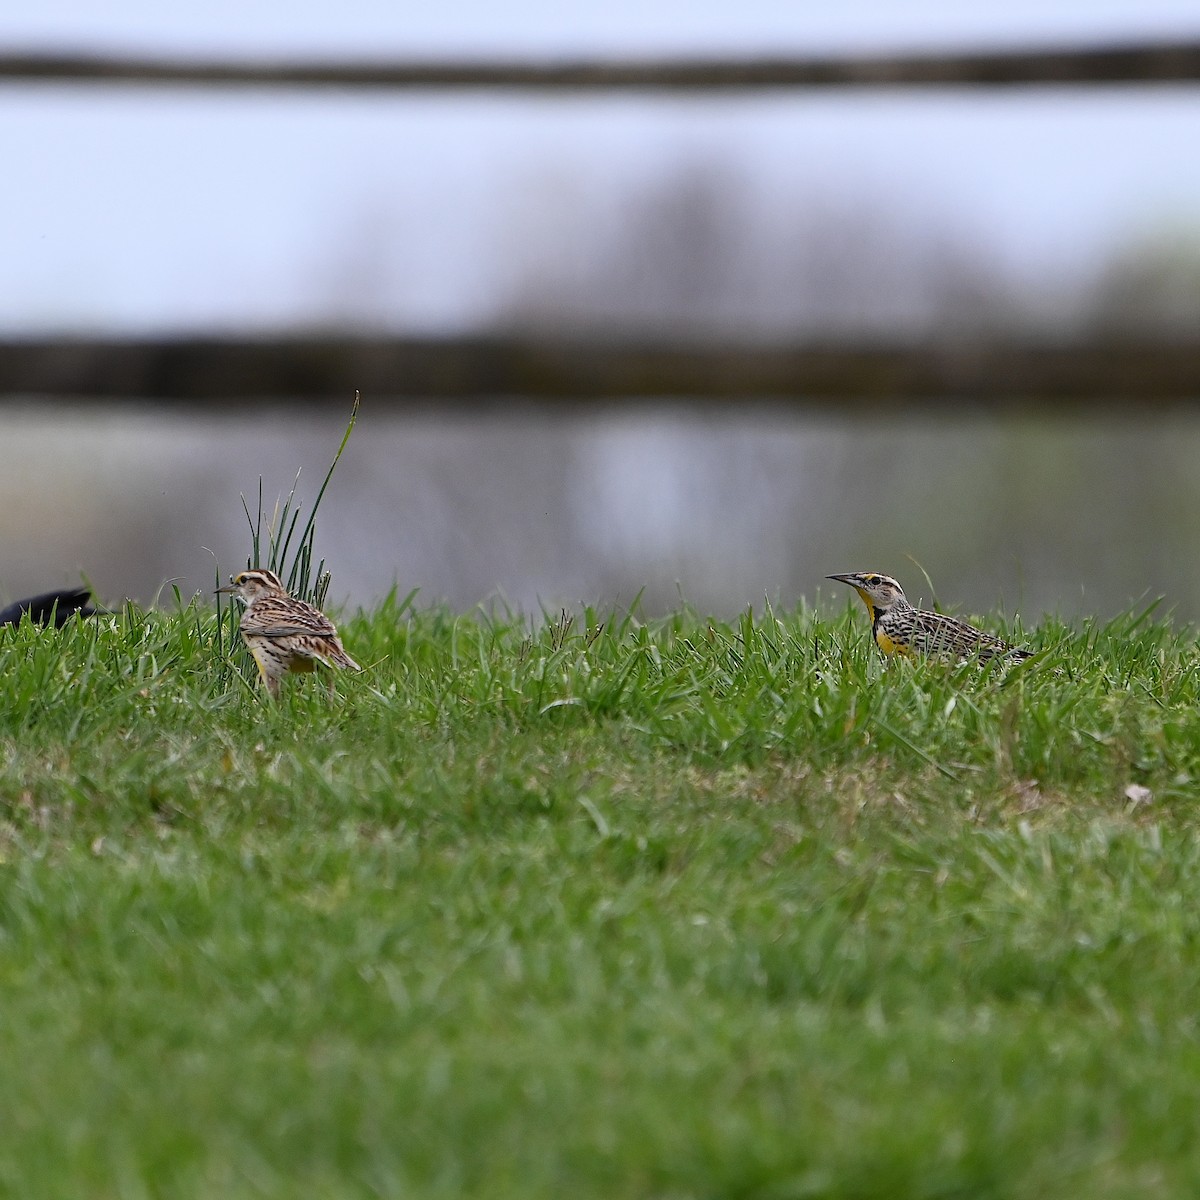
(137, 209)
(380, 26)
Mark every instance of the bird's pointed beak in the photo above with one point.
(855, 581)
(227, 588)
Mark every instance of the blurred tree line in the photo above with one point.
(700, 254)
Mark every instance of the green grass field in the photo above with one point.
(677, 908)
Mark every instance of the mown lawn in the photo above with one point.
(673, 909)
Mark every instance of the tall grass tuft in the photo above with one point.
(271, 544)
(299, 577)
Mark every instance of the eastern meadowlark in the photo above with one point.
(47, 608)
(898, 628)
(282, 633)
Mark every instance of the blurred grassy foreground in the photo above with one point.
(679, 909)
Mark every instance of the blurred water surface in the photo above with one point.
(1032, 514)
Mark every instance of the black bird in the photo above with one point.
(50, 607)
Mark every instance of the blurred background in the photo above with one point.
(772, 218)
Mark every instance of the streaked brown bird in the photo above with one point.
(282, 633)
(899, 628)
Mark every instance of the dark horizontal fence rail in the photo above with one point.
(495, 371)
(1143, 62)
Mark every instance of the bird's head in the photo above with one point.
(879, 592)
(248, 586)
